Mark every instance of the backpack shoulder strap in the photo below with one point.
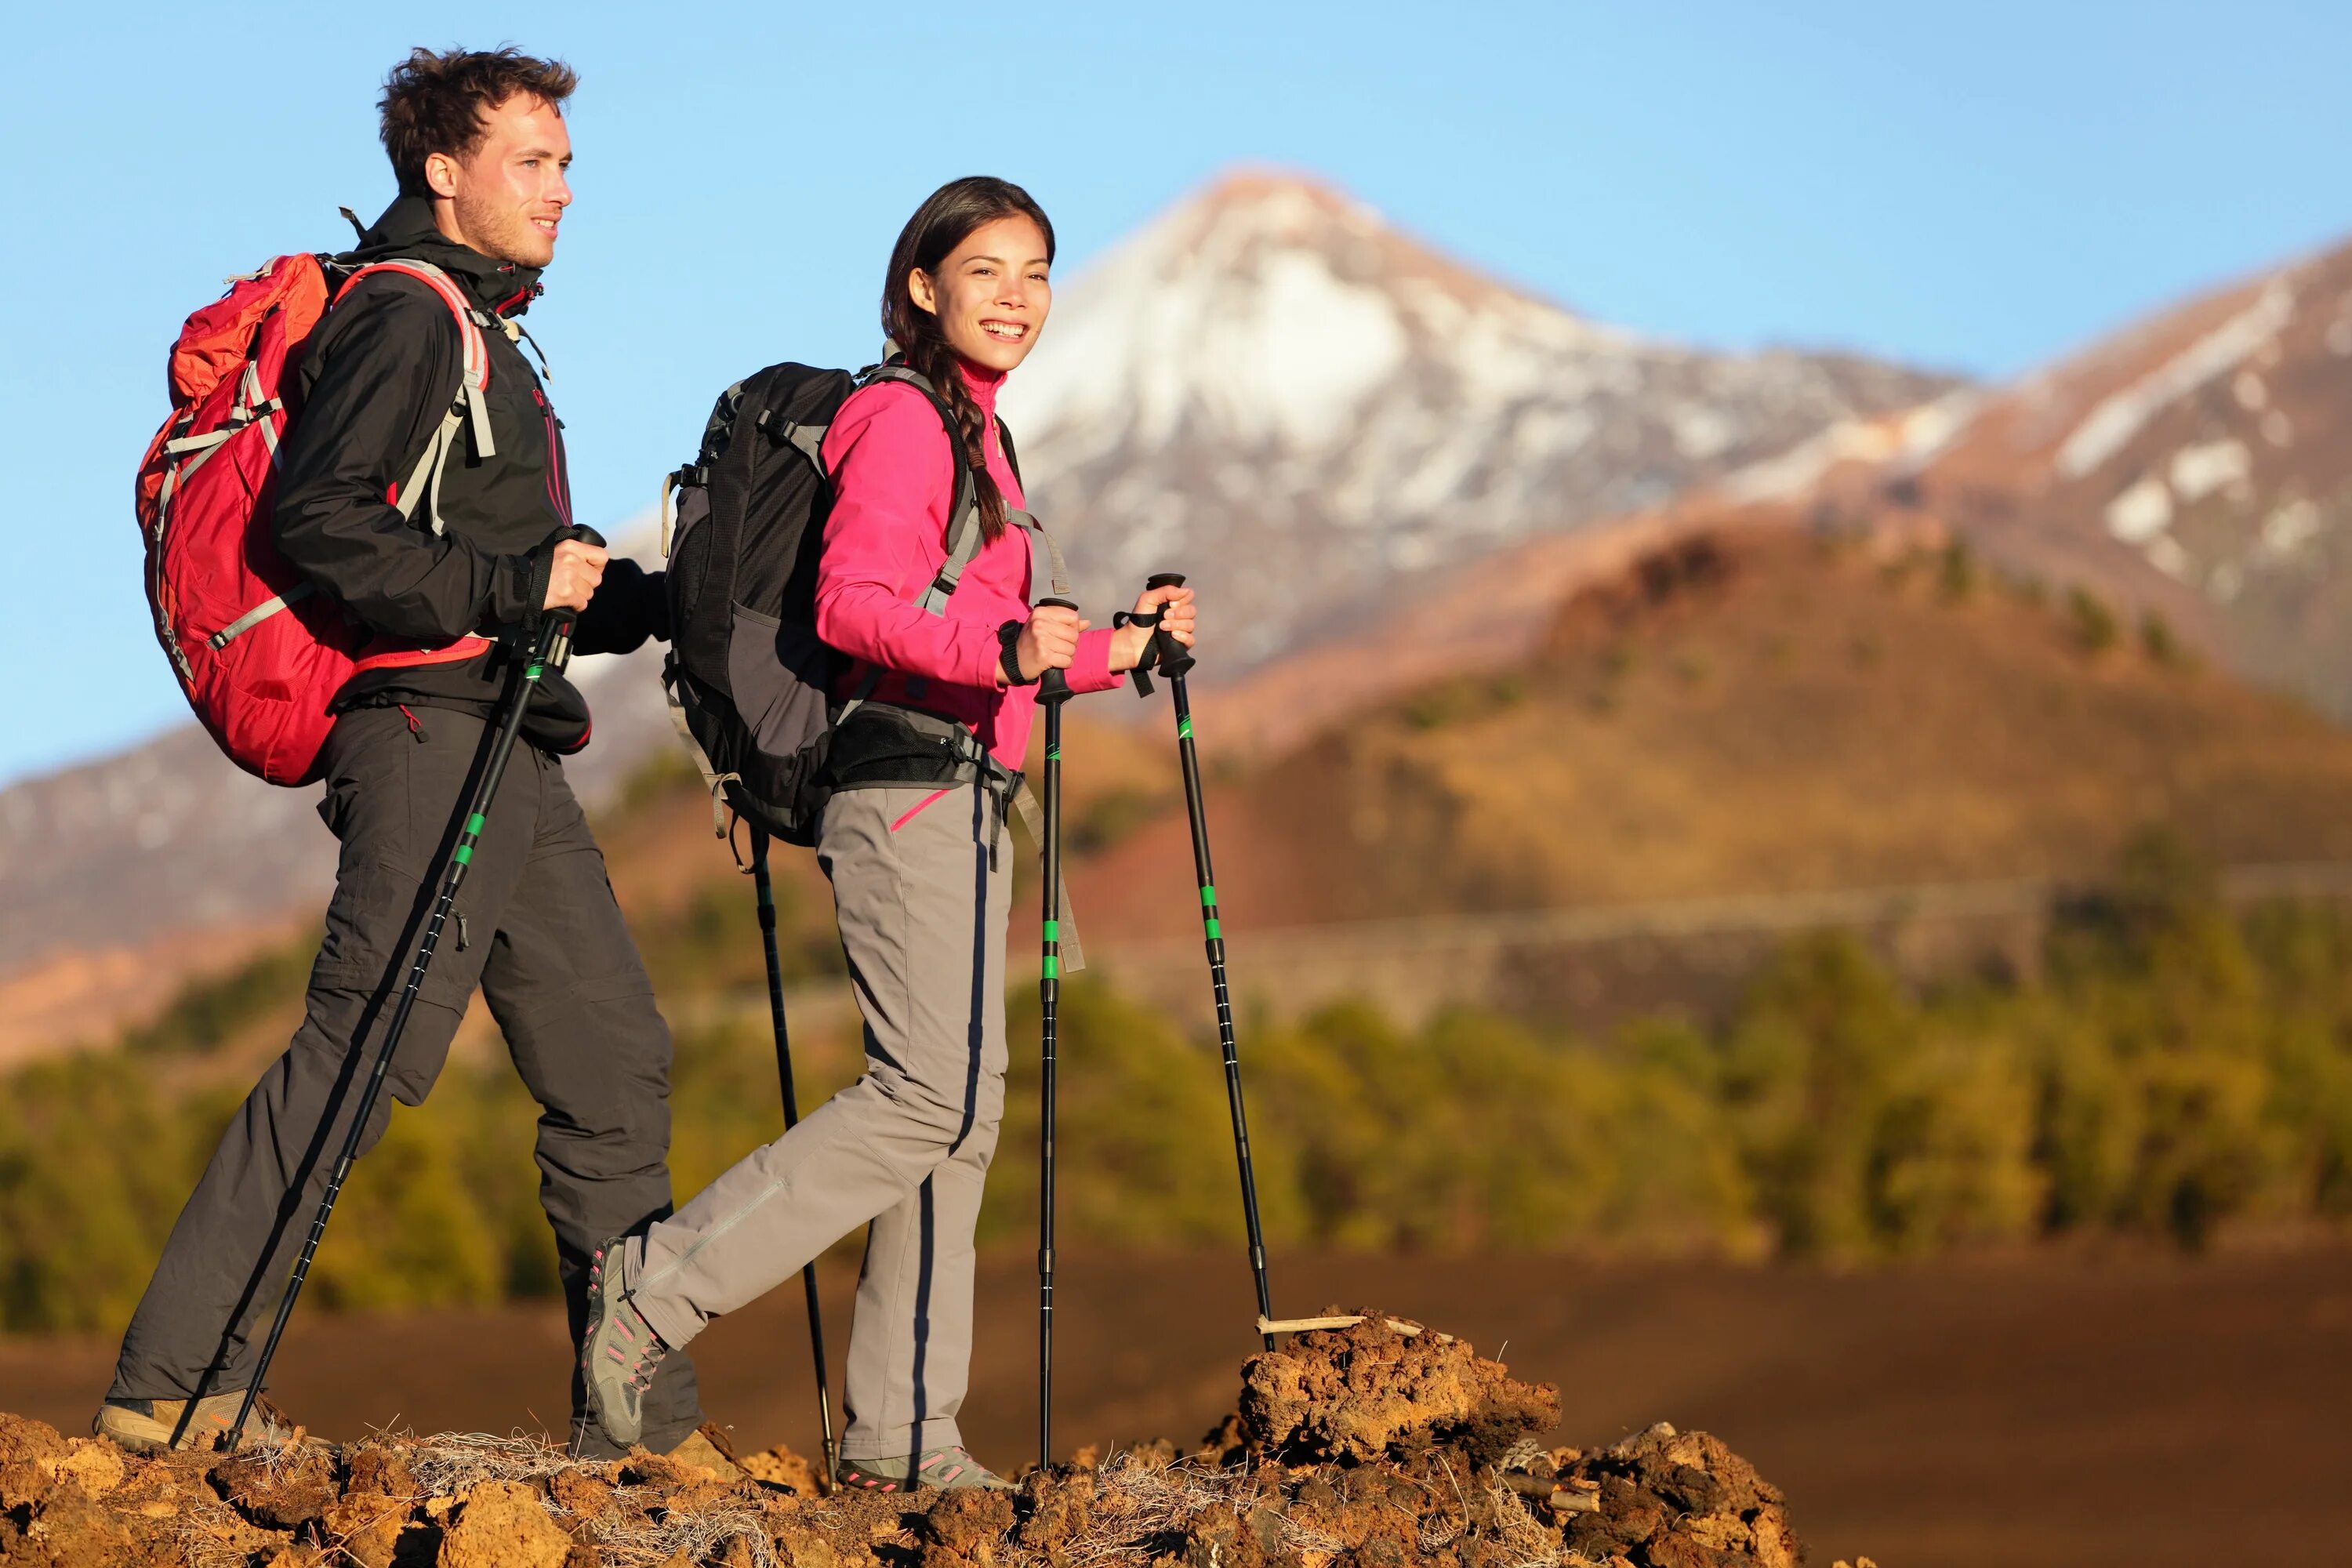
(963, 524)
(424, 481)
(1012, 453)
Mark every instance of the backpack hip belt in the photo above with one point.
(931, 751)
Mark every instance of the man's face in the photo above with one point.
(506, 198)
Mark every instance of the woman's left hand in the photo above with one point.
(1131, 645)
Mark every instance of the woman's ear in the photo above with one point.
(919, 289)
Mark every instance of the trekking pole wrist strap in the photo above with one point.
(1140, 673)
(1008, 638)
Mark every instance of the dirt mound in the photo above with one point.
(1383, 1386)
(1370, 1445)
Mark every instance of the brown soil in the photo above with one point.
(1751, 710)
(2046, 1409)
(1368, 1446)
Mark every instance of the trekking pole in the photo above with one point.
(767, 889)
(1053, 690)
(1174, 659)
(550, 643)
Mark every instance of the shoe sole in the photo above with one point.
(138, 1434)
(133, 1433)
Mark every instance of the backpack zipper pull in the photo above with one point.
(415, 728)
(464, 939)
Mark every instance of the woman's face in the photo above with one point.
(992, 293)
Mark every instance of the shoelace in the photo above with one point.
(647, 1349)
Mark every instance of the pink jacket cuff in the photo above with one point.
(1090, 670)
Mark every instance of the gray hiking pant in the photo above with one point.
(538, 930)
(922, 915)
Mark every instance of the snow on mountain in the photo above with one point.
(1273, 390)
(1268, 388)
(2194, 464)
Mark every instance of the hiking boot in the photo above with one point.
(145, 1425)
(621, 1352)
(705, 1454)
(949, 1469)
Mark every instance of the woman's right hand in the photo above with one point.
(1049, 640)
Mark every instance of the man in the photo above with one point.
(479, 145)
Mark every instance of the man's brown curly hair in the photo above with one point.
(434, 102)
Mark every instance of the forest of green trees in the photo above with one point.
(2172, 1065)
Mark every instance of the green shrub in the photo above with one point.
(2092, 623)
(2177, 1066)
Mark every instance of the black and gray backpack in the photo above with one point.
(750, 684)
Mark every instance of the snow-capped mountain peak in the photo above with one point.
(1273, 389)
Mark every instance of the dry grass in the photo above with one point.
(449, 1463)
(633, 1537)
(1141, 1501)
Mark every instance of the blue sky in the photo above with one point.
(1974, 187)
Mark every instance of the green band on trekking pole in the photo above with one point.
(1185, 728)
(1053, 930)
(474, 825)
(1053, 967)
(1209, 896)
(464, 855)
(1210, 926)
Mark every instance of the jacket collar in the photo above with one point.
(983, 382)
(406, 229)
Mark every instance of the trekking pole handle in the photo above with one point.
(556, 649)
(1054, 686)
(1172, 656)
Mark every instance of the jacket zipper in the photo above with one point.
(558, 489)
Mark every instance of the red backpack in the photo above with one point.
(260, 654)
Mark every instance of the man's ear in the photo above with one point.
(441, 174)
(918, 288)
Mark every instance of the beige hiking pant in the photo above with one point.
(922, 915)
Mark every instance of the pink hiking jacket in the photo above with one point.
(894, 473)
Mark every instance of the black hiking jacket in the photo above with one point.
(381, 371)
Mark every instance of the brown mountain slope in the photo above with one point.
(2194, 461)
(1756, 709)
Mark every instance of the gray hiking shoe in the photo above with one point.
(952, 1470)
(619, 1356)
(145, 1425)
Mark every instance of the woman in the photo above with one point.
(920, 889)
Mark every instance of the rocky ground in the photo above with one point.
(1370, 1445)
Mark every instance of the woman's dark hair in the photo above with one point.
(945, 220)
